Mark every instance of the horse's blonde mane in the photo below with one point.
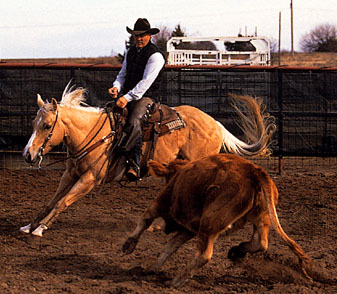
(76, 99)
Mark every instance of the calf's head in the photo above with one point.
(166, 171)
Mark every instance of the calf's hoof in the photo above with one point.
(236, 253)
(129, 245)
(176, 282)
(154, 269)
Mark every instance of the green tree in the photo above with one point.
(178, 32)
(206, 45)
(322, 38)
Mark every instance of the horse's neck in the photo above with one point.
(80, 126)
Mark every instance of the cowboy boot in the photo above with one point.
(133, 173)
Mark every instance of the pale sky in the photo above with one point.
(94, 28)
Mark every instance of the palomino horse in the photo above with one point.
(80, 127)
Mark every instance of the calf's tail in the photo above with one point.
(271, 194)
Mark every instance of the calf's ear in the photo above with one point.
(157, 169)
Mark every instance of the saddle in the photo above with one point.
(159, 120)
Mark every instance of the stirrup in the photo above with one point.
(133, 175)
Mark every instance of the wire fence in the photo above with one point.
(302, 100)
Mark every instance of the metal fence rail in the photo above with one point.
(303, 100)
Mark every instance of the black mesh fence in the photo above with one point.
(303, 101)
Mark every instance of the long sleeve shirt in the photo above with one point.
(154, 65)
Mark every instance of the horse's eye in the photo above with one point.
(47, 127)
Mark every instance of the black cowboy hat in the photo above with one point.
(142, 26)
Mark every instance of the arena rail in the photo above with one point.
(104, 66)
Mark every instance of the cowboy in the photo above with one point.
(138, 82)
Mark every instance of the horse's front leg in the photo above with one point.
(67, 194)
(66, 183)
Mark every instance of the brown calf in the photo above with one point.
(206, 197)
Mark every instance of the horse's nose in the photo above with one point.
(27, 157)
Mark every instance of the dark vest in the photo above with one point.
(135, 66)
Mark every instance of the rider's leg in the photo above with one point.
(132, 146)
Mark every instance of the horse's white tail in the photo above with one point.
(256, 125)
(231, 144)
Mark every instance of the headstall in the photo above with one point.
(85, 150)
(40, 154)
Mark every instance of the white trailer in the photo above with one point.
(219, 51)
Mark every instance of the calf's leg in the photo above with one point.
(258, 242)
(215, 219)
(171, 247)
(203, 255)
(143, 223)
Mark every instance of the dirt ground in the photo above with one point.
(81, 252)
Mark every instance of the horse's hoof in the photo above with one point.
(26, 229)
(39, 230)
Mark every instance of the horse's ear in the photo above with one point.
(54, 103)
(39, 100)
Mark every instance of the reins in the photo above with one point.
(85, 150)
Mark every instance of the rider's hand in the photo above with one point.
(121, 102)
(113, 92)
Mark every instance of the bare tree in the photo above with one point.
(161, 38)
(322, 38)
(273, 43)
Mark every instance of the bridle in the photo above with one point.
(40, 153)
(116, 126)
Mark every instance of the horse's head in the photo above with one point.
(47, 131)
